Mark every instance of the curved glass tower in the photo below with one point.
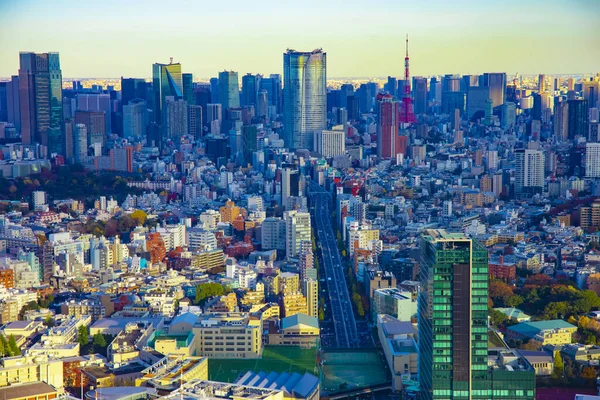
(304, 97)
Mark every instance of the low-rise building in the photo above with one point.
(228, 335)
(173, 370)
(395, 302)
(397, 339)
(298, 330)
(554, 331)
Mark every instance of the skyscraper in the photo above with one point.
(272, 85)
(176, 118)
(166, 82)
(195, 122)
(453, 332)
(529, 175)
(249, 89)
(392, 86)
(135, 119)
(592, 160)
(133, 88)
(187, 80)
(229, 92)
(420, 95)
(40, 93)
(496, 81)
(214, 90)
(387, 126)
(305, 97)
(477, 97)
(578, 118)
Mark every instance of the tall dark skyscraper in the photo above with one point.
(40, 95)
(420, 95)
(392, 86)
(578, 118)
(188, 87)
(214, 90)
(132, 88)
(272, 85)
(453, 332)
(249, 89)
(388, 142)
(496, 81)
(305, 97)
(166, 82)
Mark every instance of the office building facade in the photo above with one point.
(229, 92)
(305, 97)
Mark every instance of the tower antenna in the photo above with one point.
(407, 114)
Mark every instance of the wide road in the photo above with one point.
(339, 299)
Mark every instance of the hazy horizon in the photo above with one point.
(362, 40)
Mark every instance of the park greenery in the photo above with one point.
(205, 291)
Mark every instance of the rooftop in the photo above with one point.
(297, 319)
(33, 389)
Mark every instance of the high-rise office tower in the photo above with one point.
(214, 90)
(262, 104)
(95, 124)
(229, 92)
(305, 97)
(420, 95)
(508, 115)
(593, 133)
(272, 85)
(467, 81)
(40, 96)
(69, 145)
(541, 83)
(195, 122)
(13, 106)
(578, 118)
(166, 82)
(80, 143)
(529, 174)
(477, 97)
(249, 89)
(365, 102)
(392, 86)
(389, 143)
(96, 102)
(214, 117)
(202, 97)
(176, 118)
(135, 118)
(133, 88)
(592, 160)
(496, 81)
(561, 121)
(187, 80)
(453, 315)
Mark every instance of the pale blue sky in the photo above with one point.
(115, 38)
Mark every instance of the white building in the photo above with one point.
(39, 199)
(331, 143)
(297, 229)
(529, 170)
(201, 239)
(592, 160)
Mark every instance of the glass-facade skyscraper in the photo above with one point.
(229, 89)
(249, 89)
(304, 97)
(166, 82)
(496, 81)
(453, 312)
(41, 106)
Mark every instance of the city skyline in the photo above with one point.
(443, 38)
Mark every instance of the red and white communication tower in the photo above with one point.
(407, 114)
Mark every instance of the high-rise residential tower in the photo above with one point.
(229, 92)
(305, 97)
(453, 332)
(529, 175)
(40, 95)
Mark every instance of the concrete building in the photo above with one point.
(331, 143)
(395, 302)
(228, 335)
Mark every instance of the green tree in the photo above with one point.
(559, 366)
(99, 340)
(3, 346)
(497, 317)
(83, 336)
(14, 348)
(207, 290)
(49, 322)
(514, 301)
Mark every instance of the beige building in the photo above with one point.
(298, 330)
(294, 303)
(127, 345)
(311, 292)
(400, 349)
(228, 335)
(24, 369)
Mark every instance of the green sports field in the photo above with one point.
(275, 358)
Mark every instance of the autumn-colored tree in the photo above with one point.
(531, 345)
(500, 292)
(139, 216)
(588, 373)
